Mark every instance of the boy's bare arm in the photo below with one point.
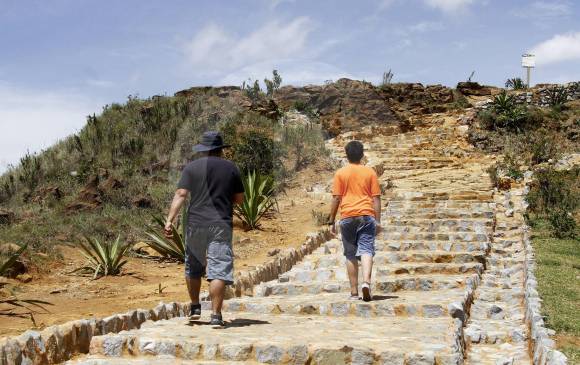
(377, 208)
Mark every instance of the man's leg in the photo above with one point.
(220, 269)
(217, 289)
(194, 270)
(193, 288)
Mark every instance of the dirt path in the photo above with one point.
(77, 297)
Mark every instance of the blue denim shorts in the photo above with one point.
(358, 236)
(208, 250)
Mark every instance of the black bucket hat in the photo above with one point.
(210, 141)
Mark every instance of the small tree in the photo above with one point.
(516, 83)
(273, 85)
(387, 77)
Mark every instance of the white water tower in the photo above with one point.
(528, 62)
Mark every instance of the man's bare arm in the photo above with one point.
(238, 198)
(178, 199)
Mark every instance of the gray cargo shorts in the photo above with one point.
(208, 250)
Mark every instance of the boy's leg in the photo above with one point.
(352, 270)
(367, 267)
(349, 237)
(366, 251)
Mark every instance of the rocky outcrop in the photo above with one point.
(343, 105)
(475, 89)
(204, 90)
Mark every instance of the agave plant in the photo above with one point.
(104, 258)
(7, 265)
(12, 304)
(557, 96)
(258, 199)
(503, 103)
(173, 247)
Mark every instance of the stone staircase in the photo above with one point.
(447, 281)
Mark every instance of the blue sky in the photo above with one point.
(64, 59)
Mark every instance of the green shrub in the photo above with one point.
(321, 218)
(256, 150)
(305, 142)
(174, 247)
(563, 223)
(104, 258)
(543, 147)
(555, 190)
(8, 264)
(258, 199)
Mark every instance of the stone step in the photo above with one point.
(430, 214)
(419, 205)
(277, 339)
(150, 360)
(428, 236)
(446, 246)
(388, 285)
(467, 196)
(314, 262)
(496, 310)
(414, 221)
(417, 304)
(504, 354)
(490, 331)
(434, 228)
(304, 275)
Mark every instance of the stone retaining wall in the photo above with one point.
(538, 96)
(59, 343)
(543, 347)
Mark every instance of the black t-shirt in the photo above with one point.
(212, 183)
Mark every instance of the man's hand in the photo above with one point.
(168, 230)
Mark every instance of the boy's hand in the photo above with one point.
(378, 229)
(333, 228)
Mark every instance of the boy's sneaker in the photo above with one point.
(195, 312)
(366, 292)
(216, 320)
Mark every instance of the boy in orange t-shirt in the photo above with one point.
(357, 193)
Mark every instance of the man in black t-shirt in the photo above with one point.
(214, 185)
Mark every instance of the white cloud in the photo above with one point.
(32, 120)
(560, 48)
(427, 26)
(274, 3)
(213, 49)
(545, 10)
(293, 72)
(449, 6)
(100, 83)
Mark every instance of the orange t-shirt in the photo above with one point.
(356, 185)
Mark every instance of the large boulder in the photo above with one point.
(89, 198)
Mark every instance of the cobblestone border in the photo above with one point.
(542, 346)
(56, 344)
(543, 350)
